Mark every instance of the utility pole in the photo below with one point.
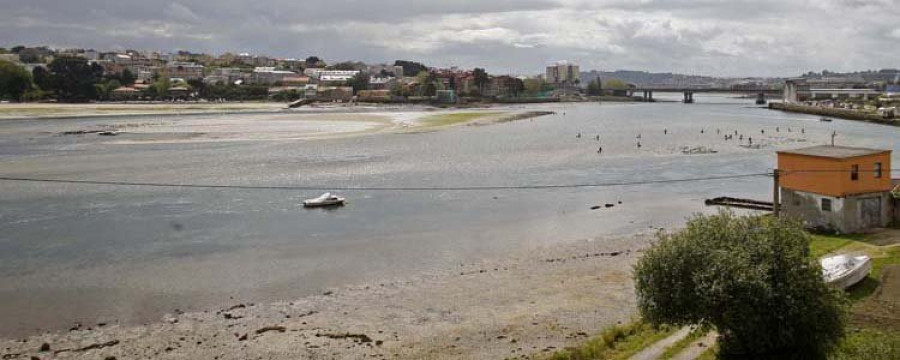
(833, 134)
(776, 194)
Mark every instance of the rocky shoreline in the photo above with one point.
(532, 302)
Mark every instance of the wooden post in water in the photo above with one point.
(776, 194)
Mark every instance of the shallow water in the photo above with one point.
(90, 253)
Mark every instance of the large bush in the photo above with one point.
(751, 278)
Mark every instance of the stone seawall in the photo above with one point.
(832, 112)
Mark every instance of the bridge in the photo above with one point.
(647, 92)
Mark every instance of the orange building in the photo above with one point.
(835, 187)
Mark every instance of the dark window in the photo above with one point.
(854, 172)
(878, 170)
(826, 205)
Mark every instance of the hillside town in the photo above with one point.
(134, 75)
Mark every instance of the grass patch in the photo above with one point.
(682, 344)
(868, 344)
(616, 342)
(882, 256)
(454, 118)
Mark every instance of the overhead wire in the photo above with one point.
(386, 188)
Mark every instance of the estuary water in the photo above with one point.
(105, 253)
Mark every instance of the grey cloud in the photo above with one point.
(740, 37)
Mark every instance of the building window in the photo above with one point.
(854, 172)
(878, 170)
(826, 205)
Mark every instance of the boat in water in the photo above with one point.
(327, 199)
(825, 119)
(844, 271)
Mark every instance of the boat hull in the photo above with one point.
(860, 269)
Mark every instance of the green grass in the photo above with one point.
(453, 118)
(868, 344)
(617, 342)
(882, 256)
(822, 245)
(871, 341)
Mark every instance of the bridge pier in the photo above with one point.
(688, 97)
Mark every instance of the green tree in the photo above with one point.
(533, 86)
(481, 79)
(73, 79)
(410, 67)
(359, 82)
(615, 84)
(516, 87)
(127, 78)
(751, 278)
(161, 87)
(595, 87)
(348, 65)
(314, 61)
(104, 89)
(15, 81)
(42, 77)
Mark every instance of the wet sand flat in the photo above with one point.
(523, 304)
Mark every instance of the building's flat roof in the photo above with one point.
(837, 152)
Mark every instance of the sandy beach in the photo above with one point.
(57, 110)
(530, 302)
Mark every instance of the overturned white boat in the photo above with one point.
(327, 199)
(844, 271)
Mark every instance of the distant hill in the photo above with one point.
(643, 78)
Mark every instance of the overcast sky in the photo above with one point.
(708, 37)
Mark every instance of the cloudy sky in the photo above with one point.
(709, 37)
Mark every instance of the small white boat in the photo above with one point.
(844, 271)
(325, 200)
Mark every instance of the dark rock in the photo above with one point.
(327, 293)
(45, 347)
(243, 337)
(271, 328)
(597, 207)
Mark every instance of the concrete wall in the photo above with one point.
(845, 215)
(832, 112)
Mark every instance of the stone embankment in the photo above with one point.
(832, 112)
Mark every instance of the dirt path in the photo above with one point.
(533, 303)
(698, 347)
(658, 348)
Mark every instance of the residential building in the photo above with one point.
(563, 72)
(184, 70)
(225, 75)
(835, 187)
(381, 83)
(332, 76)
(269, 75)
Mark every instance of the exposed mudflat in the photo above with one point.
(524, 304)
